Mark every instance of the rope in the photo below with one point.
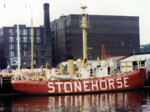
(6, 82)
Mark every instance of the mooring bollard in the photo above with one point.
(1, 84)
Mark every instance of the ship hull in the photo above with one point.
(121, 82)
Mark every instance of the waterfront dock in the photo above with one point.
(5, 83)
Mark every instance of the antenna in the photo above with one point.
(18, 32)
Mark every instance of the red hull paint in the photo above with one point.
(116, 83)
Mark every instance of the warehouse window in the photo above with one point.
(11, 46)
(17, 46)
(42, 52)
(17, 39)
(17, 31)
(30, 31)
(17, 53)
(37, 32)
(25, 39)
(36, 52)
(24, 46)
(42, 60)
(30, 39)
(25, 53)
(11, 53)
(115, 43)
(11, 39)
(24, 32)
(38, 39)
(130, 43)
(10, 32)
(122, 43)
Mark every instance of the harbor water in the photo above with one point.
(133, 101)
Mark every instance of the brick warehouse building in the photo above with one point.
(42, 44)
(62, 38)
(9, 48)
(119, 34)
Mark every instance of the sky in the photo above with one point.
(19, 11)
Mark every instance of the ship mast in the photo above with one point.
(84, 25)
(31, 43)
(18, 42)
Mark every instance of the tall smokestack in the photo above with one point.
(47, 35)
(47, 30)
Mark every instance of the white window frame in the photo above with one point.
(38, 32)
(17, 53)
(11, 46)
(19, 39)
(25, 53)
(38, 39)
(11, 39)
(30, 31)
(24, 46)
(19, 32)
(11, 53)
(30, 39)
(17, 46)
(24, 31)
(24, 39)
(10, 31)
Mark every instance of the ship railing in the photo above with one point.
(27, 76)
(142, 65)
(135, 67)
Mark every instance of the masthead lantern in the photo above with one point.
(84, 24)
(84, 21)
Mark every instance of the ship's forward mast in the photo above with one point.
(84, 25)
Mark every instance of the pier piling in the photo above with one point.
(1, 84)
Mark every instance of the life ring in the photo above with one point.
(113, 73)
(35, 77)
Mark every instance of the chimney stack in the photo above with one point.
(47, 31)
(47, 35)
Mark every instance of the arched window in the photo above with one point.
(30, 39)
(11, 39)
(24, 31)
(42, 60)
(24, 39)
(17, 39)
(38, 39)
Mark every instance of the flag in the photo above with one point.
(8, 66)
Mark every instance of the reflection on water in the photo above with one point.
(136, 100)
